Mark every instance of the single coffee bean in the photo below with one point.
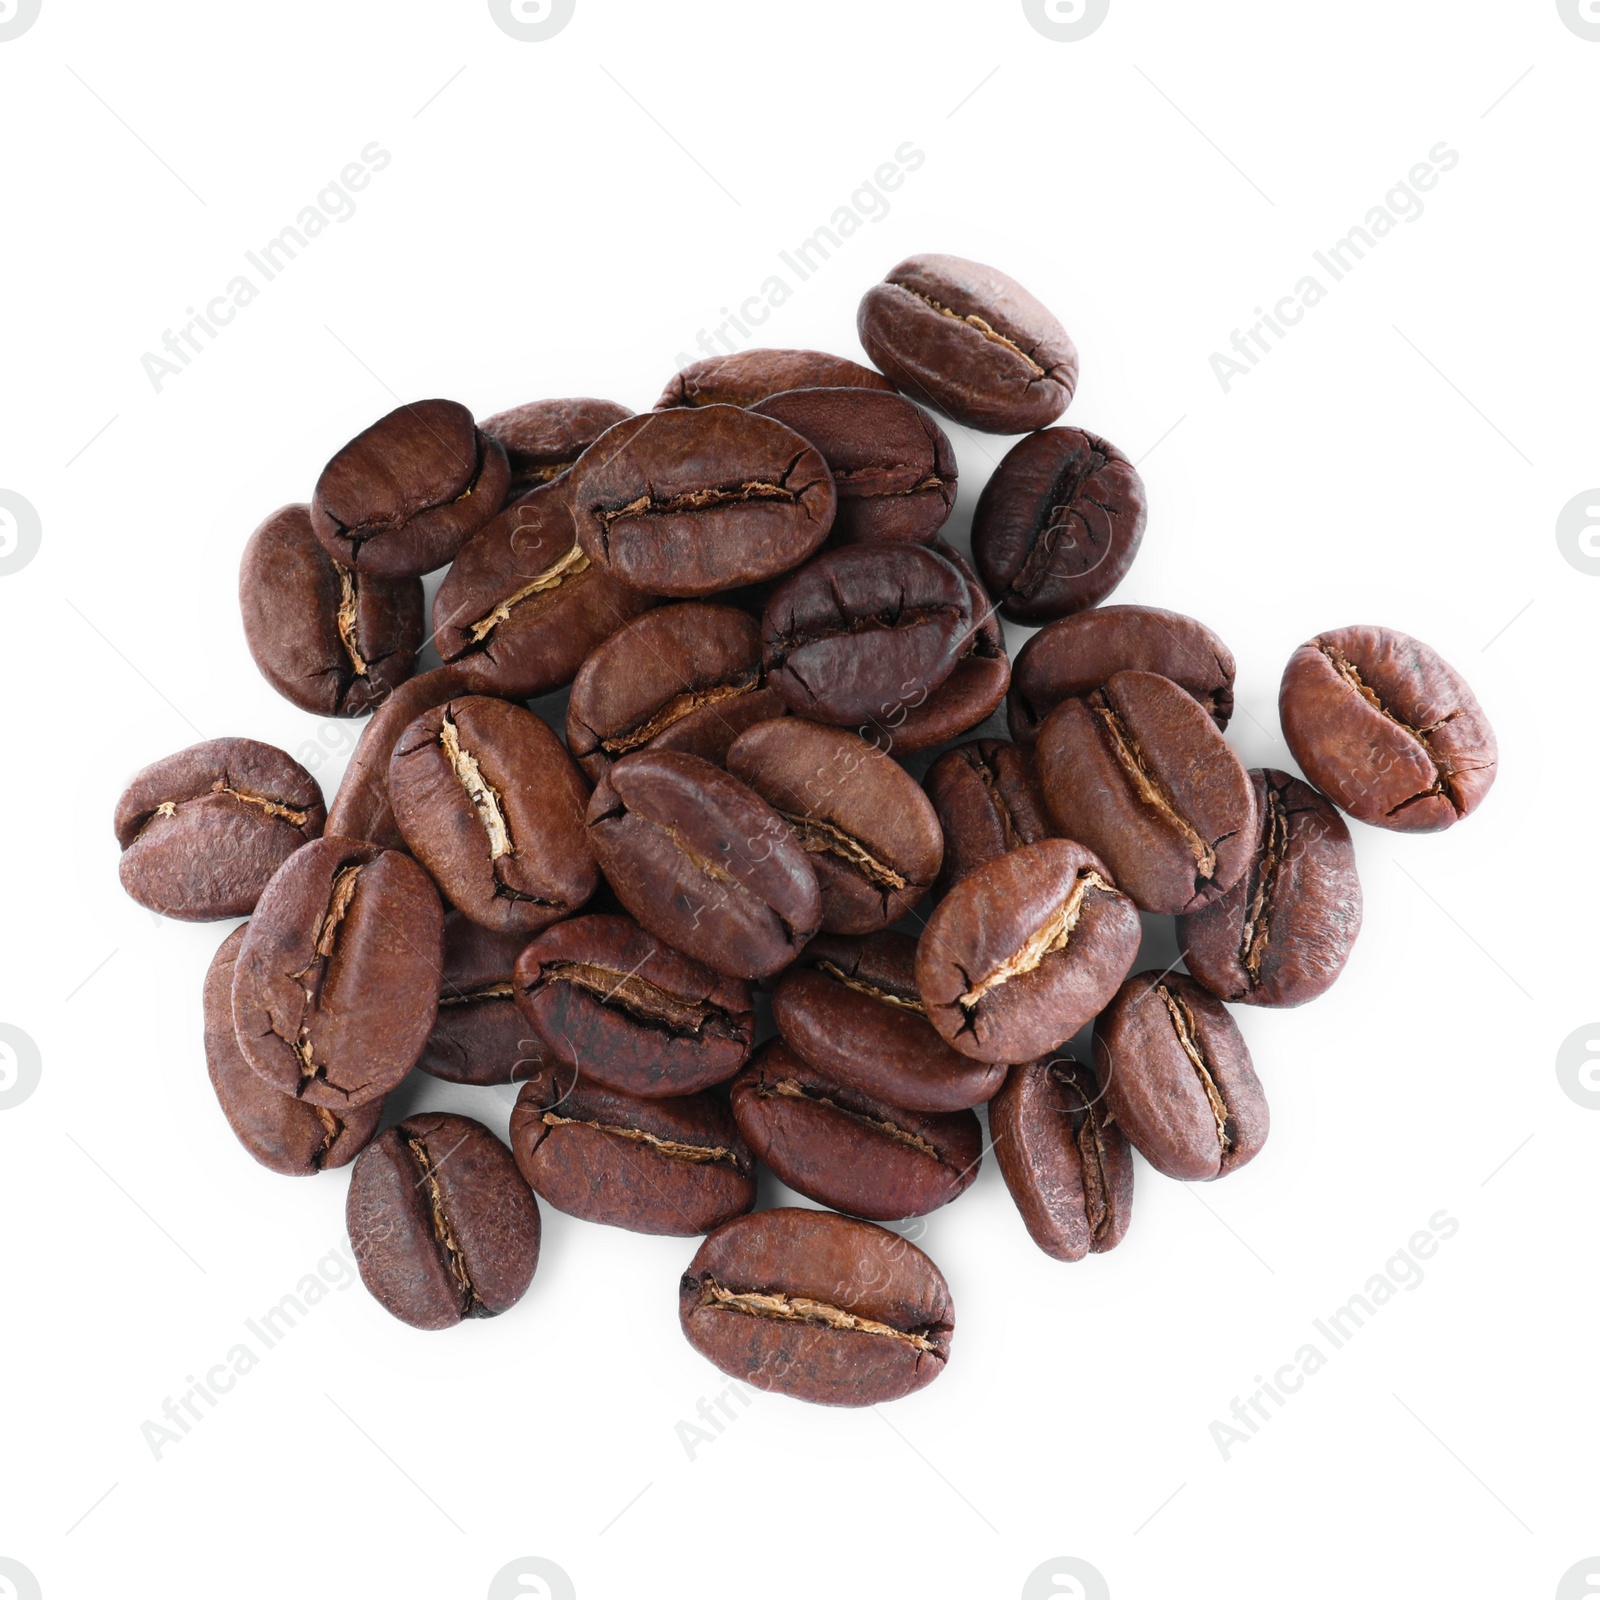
(819, 1307)
(1066, 1163)
(676, 1167)
(442, 1223)
(687, 677)
(1138, 772)
(685, 503)
(1077, 655)
(872, 834)
(851, 1009)
(331, 640)
(704, 862)
(282, 1133)
(987, 798)
(480, 1036)
(1283, 932)
(1387, 729)
(633, 1014)
(545, 437)
(1058, 525)
(751, 376)
(401, 498)
(202, 831)
(1024, 950)
(337, 982)
(970, 342)
(492, 805)
(1178, 1079)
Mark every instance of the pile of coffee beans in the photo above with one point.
(747, 592)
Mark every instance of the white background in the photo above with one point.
(563, 217)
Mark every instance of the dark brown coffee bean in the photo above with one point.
(685, 503)
(545, 437)
(492, 805)
(330, 640)
(1138, 772)
(202, 831)
(751, 376)
(442, 1223)
(401, 498)
(872, 834)
(704, 862)
(282, 1133)
(1058, 525)
(479, 1035)
(1079, 654)
(631, 1013)
(1283, 932)
(1066, 1163)
(1178, 1079)
(970, 342)
(1387, 729)
(987, 797)
(1024, 950)
(676, 1167)
(337, 983)
(819, 1307)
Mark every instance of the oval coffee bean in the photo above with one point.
(970, 342)
(819, 1307)
(479, 1035)
(1024, 950)
(442, 1223)
(544, 438)
(202, 831)
(987, 797)
(1138, 772)
(751, 376)
(337, 982)
(685, 503)
(1283, 932)
(1178, 1079)
(1387, 729)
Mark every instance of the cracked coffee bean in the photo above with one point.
(1024, 950)
(1387, 729)
(401, 498)
(1178, 1079)
(443, 1225)
(330, 640)
(751, 376)
(1283, 932)
(492, 805)
(987, 797)
(818, 1307)
(1058, 524)
(1138, 772)
(203, 831)
(479, 1036)
(544, 438)
(337, 982)
(684, 503)
(971, 342)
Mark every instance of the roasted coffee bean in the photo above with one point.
(970, 342)
(872, 834)
(851, 1150)
(1066, 1163)
(751, 376)
(1283, 932)
(1077, 655)
(819, 1307)
(479, 1035)
(851, 1008)
(1024, 950)
(987, 797)
(332, 641)
(282, 1133)
(652, 1166)
(401, 498)
(1058, 524)
(893, 468)
(337, 982)
(545, 437)
(704, 862)
(492, 805)
(442, 1223)
(612, 1001)
(685, 503)
(1138, 772)
(687, 677)
(1178, 1079)
(1387, 729)
(202, 831)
